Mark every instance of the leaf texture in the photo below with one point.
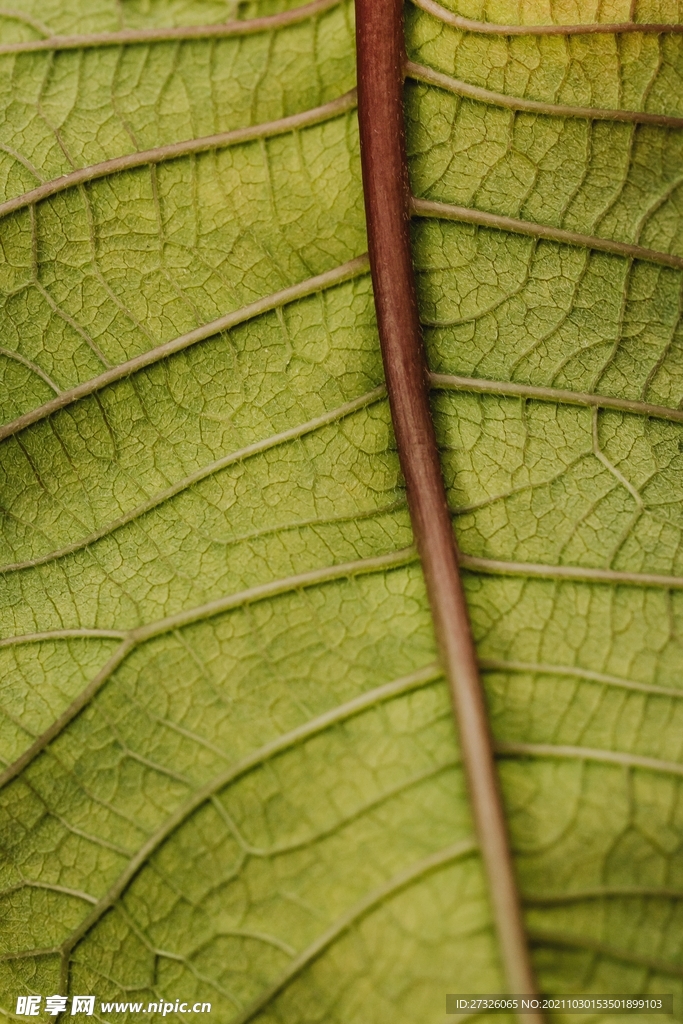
(230, 768)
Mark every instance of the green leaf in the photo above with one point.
(231, 767)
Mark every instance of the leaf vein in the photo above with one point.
(258, 447)
(356, 913)
(467, 215)
(579, 573)
(491, 28)
(416, 680)
(573, 753)
(130, 37)
(511, 389)
(345, 272)
(276, 588)
(175, 150)
(429, 76)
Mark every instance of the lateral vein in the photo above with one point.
(573, 753)
(493, 29)
(541, 899)
(478, 385)
(64, 634)
(231, 602)
(420, 73)
(249, 451)
(365, 906)
(350, 709)
(467, 215)
(582, 574)
(543, 668)
(129, 37)
(345, 272)
(278, 587)
(547, 938)
(33, 367)
(174, 150)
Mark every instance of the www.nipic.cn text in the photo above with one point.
(31, 1006)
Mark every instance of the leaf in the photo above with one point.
(232, 774)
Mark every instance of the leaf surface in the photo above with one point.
(232, 774)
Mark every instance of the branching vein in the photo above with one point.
(33, 367)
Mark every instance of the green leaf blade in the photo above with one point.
(259, 801)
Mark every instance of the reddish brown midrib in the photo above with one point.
(380, 49)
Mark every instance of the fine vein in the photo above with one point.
(225, 541)
(17, 357)
(76, 706)
(465, 214)
(128, 37)
(359, 812)
(354, 268)
(508, 389)
(174, 150)
(493, 29)
(12, 14)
